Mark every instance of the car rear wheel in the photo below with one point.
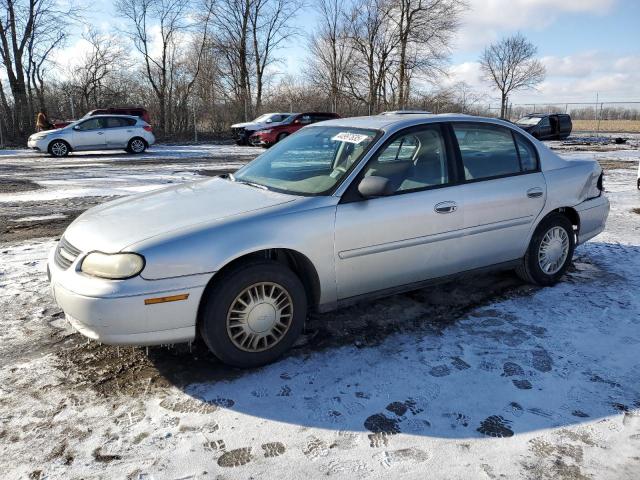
(59, 148)
(136, 145)
(282, 136)
(253, 314)
(550, 251)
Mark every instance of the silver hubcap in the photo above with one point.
(259, 317)
(59, 149)
(137, 146)
(554, 250)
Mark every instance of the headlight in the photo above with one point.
(115, 266)
(268, 130)
(38, 136)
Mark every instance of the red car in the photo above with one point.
(267, 137)
(133, 111)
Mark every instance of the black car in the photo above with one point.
(552, 126)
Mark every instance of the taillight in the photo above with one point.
(148, 128)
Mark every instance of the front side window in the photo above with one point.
(413, 161)
(92, 124)
(487, 150)
(528, 121)
(311, 162)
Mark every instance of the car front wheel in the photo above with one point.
(550, 251)
(136, 145)
(282, 136)
(59, 148)
(253, 314)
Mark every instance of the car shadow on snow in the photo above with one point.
(482, 356)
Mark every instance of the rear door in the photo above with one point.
(503, 192)
(90, 134)
(410, 235)
(119, 131)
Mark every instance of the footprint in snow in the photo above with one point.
(273, 449)
(495, 426)
(235, 458)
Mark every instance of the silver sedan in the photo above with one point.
(340, 211)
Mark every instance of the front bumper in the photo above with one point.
(114, 312)
(593, 217)
(39, 145)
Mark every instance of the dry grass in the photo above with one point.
(626, 126)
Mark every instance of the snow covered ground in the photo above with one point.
(482, 378)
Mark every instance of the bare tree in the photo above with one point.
(424, 29)
(511, 65)
(98, 68)
(373, 42)
(29, 31)
(330, 51)
(171, 18)
(232, 22)
(270, 29)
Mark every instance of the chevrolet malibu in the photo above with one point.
(340, 211)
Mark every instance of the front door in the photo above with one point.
(90, 134)
(409, 235)
(503, 193)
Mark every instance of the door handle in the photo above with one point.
(535, 192)
(100, 133)
(446, 207)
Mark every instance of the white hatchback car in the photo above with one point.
(100, 132)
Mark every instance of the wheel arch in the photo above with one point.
(66, 142)
(299, 263)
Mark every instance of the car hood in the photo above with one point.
(243, 124)
(113, 226)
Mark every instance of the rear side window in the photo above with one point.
(487, 151)
(527, 152)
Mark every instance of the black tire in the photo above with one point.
(281, 136)
(638, 183)
(59, 148)
(530, 270)
(137, 145)
(220, 296)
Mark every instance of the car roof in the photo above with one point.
(111, 115)
(392, 123)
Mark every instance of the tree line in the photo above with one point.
(208, 63)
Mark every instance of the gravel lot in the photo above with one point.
(480, 378)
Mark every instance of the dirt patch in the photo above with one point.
(616, 164)
(136, 371)
(13, 185)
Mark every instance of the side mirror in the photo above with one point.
(372, 187)
(297, 122)
(268, 120)
(76, 127)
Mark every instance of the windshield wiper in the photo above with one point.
(251, 184)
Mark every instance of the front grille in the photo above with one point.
(65, 254)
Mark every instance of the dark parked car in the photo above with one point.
(553, 126)
(132, 111)
(269, 136)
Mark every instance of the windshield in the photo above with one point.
(261, 118)
(311, 162)
(528, 121)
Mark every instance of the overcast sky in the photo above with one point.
(589, 46)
